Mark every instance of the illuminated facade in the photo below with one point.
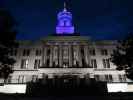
(65, 57)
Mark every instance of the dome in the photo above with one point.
(64, 14)
(64, 24)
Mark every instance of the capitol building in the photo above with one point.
(66, 56)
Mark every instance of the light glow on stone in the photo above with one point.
(117, 87)
(130, 88)
(13, 88)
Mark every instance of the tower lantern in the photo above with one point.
(64, 25)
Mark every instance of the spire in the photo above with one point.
(65, 6)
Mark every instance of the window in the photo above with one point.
(38, 52)
(92, 52)
(106, 63)
(94, 63)
(104, 52)
(26, 52)
(122, 78)
(24, 63)
(48, 52)
(36, 63)
(13, 52)
(82, 51)
(47, 62)
(108, 78)
(21, 79)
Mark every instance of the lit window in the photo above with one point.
(24, 64)
(106, 63)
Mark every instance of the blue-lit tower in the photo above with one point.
(64, 25)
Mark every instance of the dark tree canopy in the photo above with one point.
(7, 42)
(123, 56)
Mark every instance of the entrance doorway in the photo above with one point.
(66, 81)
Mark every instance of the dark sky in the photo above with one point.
(100, 19)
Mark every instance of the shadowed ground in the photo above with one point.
(111, 96)
(66, 89)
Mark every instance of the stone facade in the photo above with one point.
(65, 54)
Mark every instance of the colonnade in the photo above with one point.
(65, 56)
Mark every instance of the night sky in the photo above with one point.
(100, 19)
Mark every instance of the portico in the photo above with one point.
(66, 52)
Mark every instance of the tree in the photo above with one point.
(123, 56)
(7, 43)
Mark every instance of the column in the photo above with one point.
(70, 55)
(77, 56)
(83, 56)
(51, 56)
(60, 55)
(86, 55)
(80, 58)
(44, 56)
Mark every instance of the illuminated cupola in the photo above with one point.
(64, 25)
